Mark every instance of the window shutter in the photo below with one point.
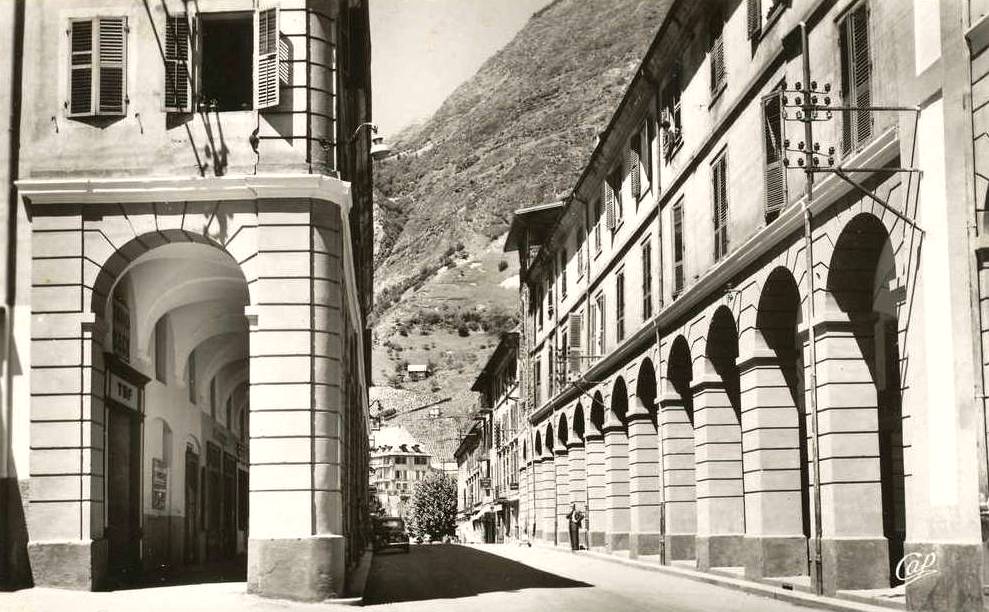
(266, 58)
(608, 195)
(112, 66)
(576, 322)
(177, 76)
(678, 249)
(863, 72)
(720, 208)
(755, 17)
(647, 154)
(717, 58)
(773, 139)
(633, 160)
(81, 69)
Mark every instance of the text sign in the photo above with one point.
(159, 484)
(123, 392)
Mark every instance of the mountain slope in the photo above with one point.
(517, 133)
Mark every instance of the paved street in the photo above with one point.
(441, 578)
(509, 577)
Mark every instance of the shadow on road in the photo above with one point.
(447, 571)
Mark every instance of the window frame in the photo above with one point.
(620, 305)
(679, 246)
(720, 208)
(645, 254)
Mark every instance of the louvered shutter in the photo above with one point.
(678, 248)
(266, 58)
(576, 322)
(82, 68)
(608, 195)
(773, 138)
(112, 98)
(647, 153)
(177, 77)
(755, 17)
(633, 160)
(863, 72)
(720, 208)
(717, 53)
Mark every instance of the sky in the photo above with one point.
(421, 50)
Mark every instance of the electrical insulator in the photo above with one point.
(800, 145)
(830, 161)
(816, 161)
(786, 161)
(800, 115)
(827, 87)
(813, 85)
(798, 101)
(786, 143)
(813, 100)
(798, 86)
(827, 100)
(785, 100)
(800, 161)
(830, 150)
(817, 146)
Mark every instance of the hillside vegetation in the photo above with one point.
(518, 133)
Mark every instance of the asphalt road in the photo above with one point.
(508, 577)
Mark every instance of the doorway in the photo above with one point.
(123, 496)
(191, 545)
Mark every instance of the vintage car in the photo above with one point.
(389, 532)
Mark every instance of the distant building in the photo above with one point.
(398, 462)
(418, 371)
(475, 511)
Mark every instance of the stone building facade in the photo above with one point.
(731, 376)
(398, 462)
(185, 364)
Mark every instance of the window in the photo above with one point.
(678, 249)
(670, 117)
(563, 272)
(600, 339)
(575, 349)
(856, 77)
(540, 306)
(121, 325)
(561, 365)
(773, 140)
(719, 187)
(647, 151)
(400, 460)
(420, 461)
(620, 306)
(754, 11)
(161, 349)
(550, 368)
(615, 181)
(240, 60)
(537, 383)
(633, 159)
(719, 74)
(646, 280)
(212, 398)
(597, 225)
(97, 73)
(581, 239)
(192, 377)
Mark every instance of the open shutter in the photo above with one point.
(608, 195)
(633, 160)
(754, 17)
(177, 76)
(647, 153)
(112, 96)
(773, 139)
(863, 72)
(81, 68)
(678, 248)
(266, 58)
(576, 322)
(720, 208)
(717, 58)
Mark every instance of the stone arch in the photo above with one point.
(862, 305)
(562, 430)
(619, 403)
(537, 447)
(646, 390)
(679, 376)
(597, 412)
(578, 422)
(721, 353)
(548, 438)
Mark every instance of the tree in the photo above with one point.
(432, 510)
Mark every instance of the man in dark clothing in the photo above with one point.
(575, 517)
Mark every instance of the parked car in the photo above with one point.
(389, 532)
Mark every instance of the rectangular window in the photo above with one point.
(646, 280)
(633, 159)
(97, 72)
(178, 78)
(601, 339)
(212, 397)
(192, 377)
(678, 249)
(647, 150)
(400, 460)
(670, 117)
(775, 171)
(240, 60)
(161, 349)
(719, 73)
(597, 225)
(719, 187)
(856, 77)
(563, 272)
(620, 306)
(581, 239)
(537, 384)
(615, 181)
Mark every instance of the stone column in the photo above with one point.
(523, 518)
(679, 478)
(720, 509)
(594, 465)
(562, 497)
(854, 550)
(296, 548)
(578, 482)
(616, 509)
(775, 544)
(547, 514)
(643, 480)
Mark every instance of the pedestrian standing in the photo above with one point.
(575, 517)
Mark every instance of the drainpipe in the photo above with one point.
(13, 162)
(811, 332)
(659, 434)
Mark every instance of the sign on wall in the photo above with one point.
(159, 484)
(123, 392)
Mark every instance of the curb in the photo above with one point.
(356, 582)
(746, 586)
